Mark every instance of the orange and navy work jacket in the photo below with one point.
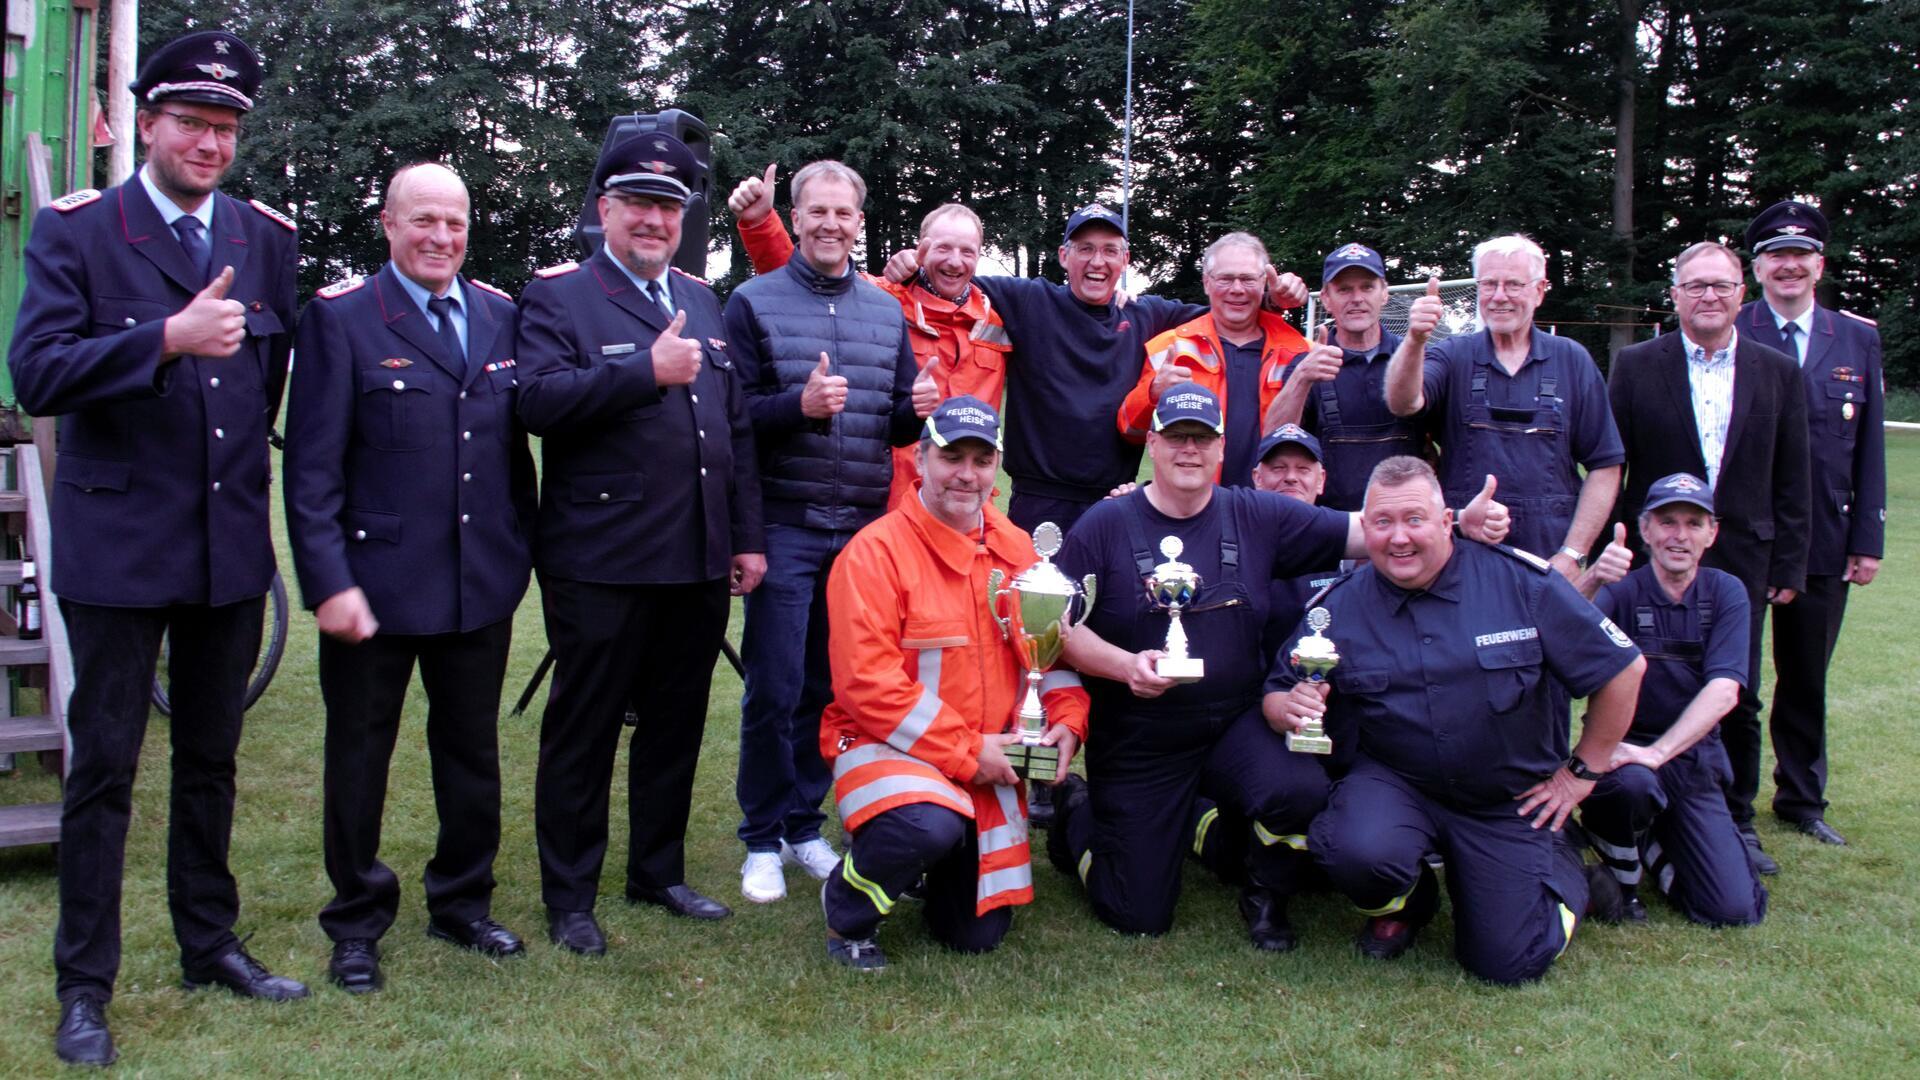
(921, 674)
(966, 342)
(1196, 346)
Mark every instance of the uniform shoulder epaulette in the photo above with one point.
(483, 286)
(1861, 318)
(691, 277)
(556, 271)
(274, 214)
(1539, 564)
(341, 287)
(76, 200)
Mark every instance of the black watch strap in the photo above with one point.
(1580, 770)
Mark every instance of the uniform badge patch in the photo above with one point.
(396, 362)
(500, 365)
(1618, 636)
(274, 214)
(716, 343)
(76, 200)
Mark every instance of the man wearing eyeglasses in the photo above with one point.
(1714, 403)
(1238, 349)
(156, 324)
(1515, 403)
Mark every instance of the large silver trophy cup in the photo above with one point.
(1035, 612)
(1314, 657)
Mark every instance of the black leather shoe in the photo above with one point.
(576, 931)
(1631, 909)
(1386, 939)
(1606, 901)
(1040, 805)
(1821, 831)
(1267, 924)
(82, 1037)
(245, 976)
(1069, 796)
(1757, 857)
(355, 966)
(681, 900)
(482, 935)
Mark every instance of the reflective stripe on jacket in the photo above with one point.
(1196, 346)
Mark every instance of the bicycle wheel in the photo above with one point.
(273, 645)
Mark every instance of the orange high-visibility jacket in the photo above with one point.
(921, 672)
(967, 343)
(1196, 346)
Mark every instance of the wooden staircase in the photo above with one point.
(45, 663)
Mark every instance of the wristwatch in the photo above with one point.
(1579, 557)
(1580, 770)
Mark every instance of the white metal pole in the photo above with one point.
(123, 53)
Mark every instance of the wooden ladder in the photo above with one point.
(46, 663)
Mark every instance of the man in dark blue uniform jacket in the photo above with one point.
(649, 518)
(155, 324)
(409, 502)
(1839, 356)
(1451, 655)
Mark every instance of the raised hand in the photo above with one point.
(210, 324)
(752, 200)
(926, 392)
(1424, 315)
(676, 360)
(825, 393)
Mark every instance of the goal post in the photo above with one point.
(1459, 296)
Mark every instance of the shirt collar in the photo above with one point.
(1446, 586)
(1804, 321)
(170, 211)
(1697, 353)
(420, 295)
(956, 549)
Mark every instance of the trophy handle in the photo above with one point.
(1087, 585)
(994, 592)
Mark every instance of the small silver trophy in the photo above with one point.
(1036, 624)
(1314, 657)
(1171, 586)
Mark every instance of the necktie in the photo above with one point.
(1792, 331)
(442, 308)
(659, 297)
(193, 237)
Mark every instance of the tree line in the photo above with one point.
(1615, 133)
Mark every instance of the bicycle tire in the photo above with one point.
(273, 646)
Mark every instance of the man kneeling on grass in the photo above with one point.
(1663, 801)
(924, 689)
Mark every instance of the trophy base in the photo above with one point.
(1184, 669)
(1309, 744)
(1033, 761)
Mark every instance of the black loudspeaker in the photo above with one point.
(689, 129)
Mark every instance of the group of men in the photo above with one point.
(825, 445)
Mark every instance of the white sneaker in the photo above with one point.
(761, 879)
(815, 856)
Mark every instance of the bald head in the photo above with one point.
(426, 224)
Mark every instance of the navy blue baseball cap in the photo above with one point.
(211, 67)
(963, 417)
(1093, 212)
(1787, 225)
(1188, 402)
(1289, 435)
(1359, 255)
(651, 163)
(1679, 488)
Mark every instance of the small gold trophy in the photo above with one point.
(1172, 586)
(1036, 625)
(1314, 657)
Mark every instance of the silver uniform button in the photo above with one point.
(696, 399)
(399, 384)
(703, 470)
(131, 321)
(359, 534)
(466, 477)
(468, 435)
(216, 485)
(604, 496)
(703, 433)
(463, 519)
(214, 382)
(463, 395)
(219, 433)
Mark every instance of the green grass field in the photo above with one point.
(1829, 986)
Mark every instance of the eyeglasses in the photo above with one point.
(1696, 289)
(1088, 251)
(193, 127)
(1490, 287)
(1240, 281)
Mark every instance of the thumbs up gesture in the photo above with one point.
(210, 324)
(676, 360)
(752, 200)
(1323, 361)
(1425, 312)
(1611, 566)
(926, 392)
(825, 393)
(1485, 519)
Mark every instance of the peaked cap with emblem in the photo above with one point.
(1094, 213)
(1787, 225)
(211, 67)
(651, 163)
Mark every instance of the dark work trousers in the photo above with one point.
(210, 653)
(1676, 821)
(365, 686)
(1517, 891)
(1804, 634)
(650, 648)
(1144, 774)
(1740, 728)
(1028, 510)
(889, 854)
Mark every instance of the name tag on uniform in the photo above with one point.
(621, 349)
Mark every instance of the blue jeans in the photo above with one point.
(783, 646)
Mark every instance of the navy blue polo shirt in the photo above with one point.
(1452, 687)
(1536, 466)
(1681, 660)
(1242, 364)
(1363, 432)
(1278, 537)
